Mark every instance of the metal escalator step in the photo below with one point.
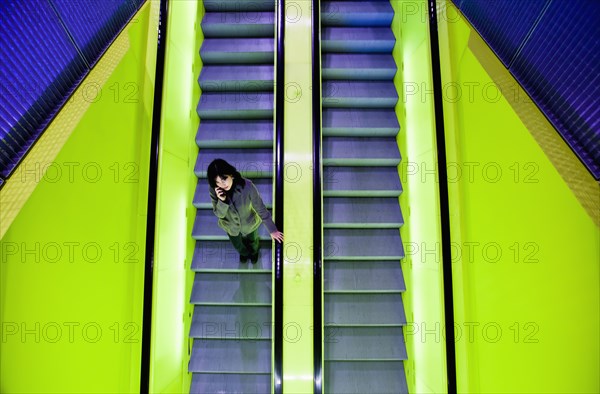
(231, 322)
(361, 181)
(231, 289)
(355, 122)
(362, 212)
(355, 377)
(235, 133)
(230, 383)
(359, 94)
(252, 163)
(225, 356)
(237, 51)
(221, 255)
(235, 105)
(365, 343)
(206, 227)
(238, 24)
(202, 198)
(361, 244)
(357, 39)
(236, 78)
(237, 5)
(363, 275)
(356, 13)
(360, 151)
(364, 309)
(357, 66)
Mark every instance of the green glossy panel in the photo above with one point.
(526, 243)
(72, 262)
(172, 311)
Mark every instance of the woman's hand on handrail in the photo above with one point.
(277, 236)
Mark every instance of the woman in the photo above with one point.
(240, 209)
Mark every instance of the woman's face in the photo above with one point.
(224, 183)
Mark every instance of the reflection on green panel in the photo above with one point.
(72, 262)
(526, 241)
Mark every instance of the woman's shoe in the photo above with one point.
(254, 258)
(243, 259)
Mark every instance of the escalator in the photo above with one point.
(231, 324)
(363, 282)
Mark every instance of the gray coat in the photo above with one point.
(243, 213)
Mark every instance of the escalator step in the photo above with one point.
(238, 24)
(359, 94)
(356, 13)
(361, 181)
(221, 255)
(232, 289)
(206, 227)
(360, 244)
(364, 309)
(237, 51)
(227, 356)
(231, 322)
(355, 122)
(235, 133)
(251, 163)
(235, 105)
(360, 151)
(355, 377)
(365, 343)
(230, 383)
(202, 198)
(357, 39)
(363, 275)
(237, 5)
(360, 212)
(236, 78)
(358, 66)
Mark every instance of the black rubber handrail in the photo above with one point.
(317, 200)
(278, 203)
(152, 191)
(444, 203)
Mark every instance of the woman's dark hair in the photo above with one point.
(220, 168)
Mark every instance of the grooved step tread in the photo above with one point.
(231, 322)
(358, 122)
(356, 13)
(238, 24)
(361, 244)
(357, 39)
(357, 66)
(360, 308)
(361, 181)
(363, 275)
(237, 5)
(206, 227)
(231, 288)
(235, 105)
(348, 151)
(365, 343)
(359, 94)
(221, 255)
(251, 163)
(237, 51)
(361, 212)
(230, 383)
(236, 78)
(214, 355)
(356, 377)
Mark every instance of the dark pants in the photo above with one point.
(246, 245)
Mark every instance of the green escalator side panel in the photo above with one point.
(421, 234)
(72, 268)
(173, 279)
(525, 231)
(298, 204)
